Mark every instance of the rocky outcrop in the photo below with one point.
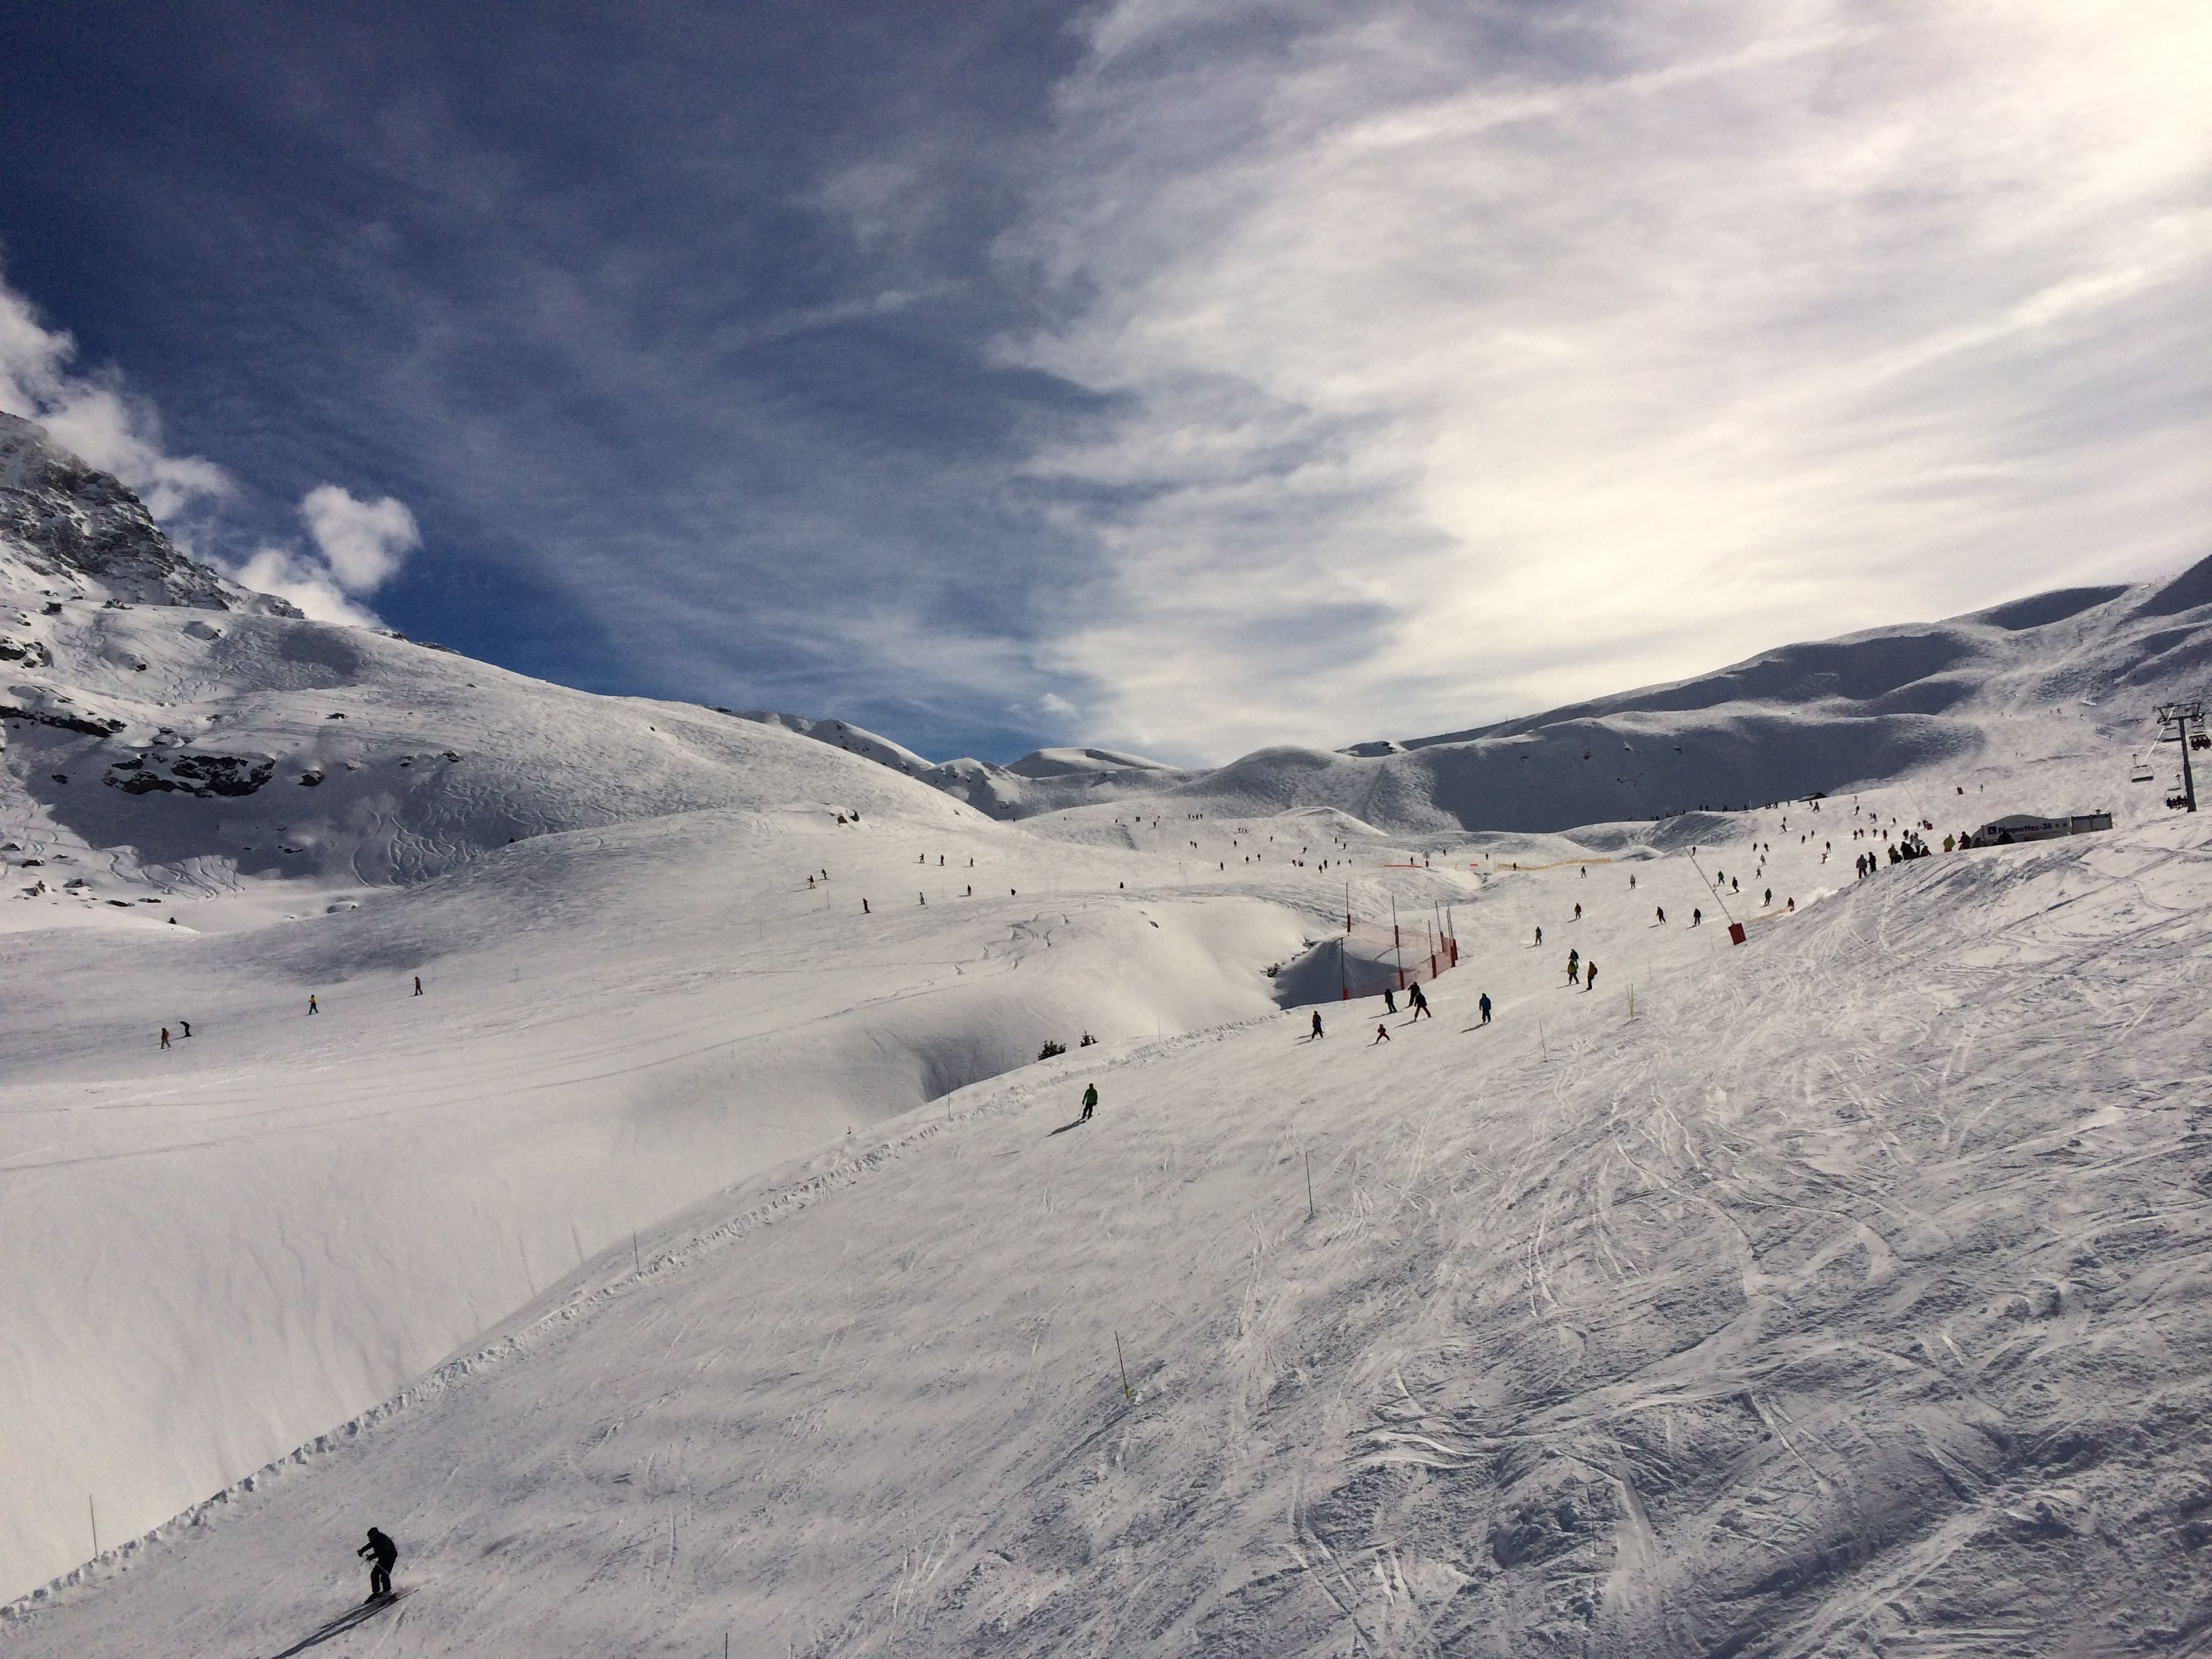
(80, 526)
(204, 776)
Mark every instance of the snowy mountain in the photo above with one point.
(664, 1225)
(648, 972)
(1820, 716)
(70, 531)
(853, 740)
(1051, 779)
(1881, 705)
(198, 734)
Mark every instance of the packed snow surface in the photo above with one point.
(1849, 1296)
(707, 1253)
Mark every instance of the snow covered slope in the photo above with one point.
(853, 740)
(634, 994)
(1051, 779)
(197, 735)
(1845, 1297)
(1590, 1264)
(1886, 703)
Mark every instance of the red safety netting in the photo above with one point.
(1378, 959)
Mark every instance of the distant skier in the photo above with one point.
(1578, 913)
(187, 1025)
(1631, 883)
(1485, 1005)
(1389, 1000)
(1662, 914)
(313, 1007)
(864, 907)
(1382, 1033)
(382, 1551)
(1770, 898)
(1540, 936)
(1420, 1004)
(1574, 966)
(1316, 1026)
(165, 1036)
(1696, 917)
(1589, 976)
(1090, 1103)
(418, 985)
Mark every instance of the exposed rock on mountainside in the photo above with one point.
(76, 525)
(186, 694)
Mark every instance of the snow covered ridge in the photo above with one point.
(81, 534)
(1820, 717)
(1823, 716)
(151, 708)
(1043, 781)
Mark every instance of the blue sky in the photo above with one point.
(1178, 377)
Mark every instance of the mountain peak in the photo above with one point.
(69, 523)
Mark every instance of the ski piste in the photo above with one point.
(352, 1619)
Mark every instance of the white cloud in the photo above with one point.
(363, 543)
(306, 581)
(93, 417)
(1477, 360)
(358, 547)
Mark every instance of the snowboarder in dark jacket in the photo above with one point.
(1485, 1005)
(1090, 1103)
(382, 1552)
(1420, 1003)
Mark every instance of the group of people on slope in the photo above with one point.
(314, 1007)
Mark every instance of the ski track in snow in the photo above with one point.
(703, 1257)
(1849, 1299)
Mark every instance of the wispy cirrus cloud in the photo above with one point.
(1179, 376)
(1474, 360)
